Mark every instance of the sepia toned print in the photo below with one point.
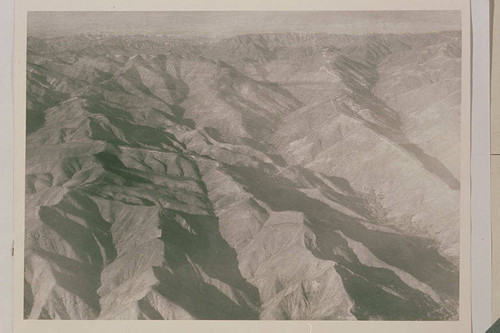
(243, 165)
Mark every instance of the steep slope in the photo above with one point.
(255, 177)
(385, 146)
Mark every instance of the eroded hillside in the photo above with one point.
(272, 176)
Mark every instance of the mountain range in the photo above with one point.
(265, 176)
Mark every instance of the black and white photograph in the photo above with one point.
(243, 165)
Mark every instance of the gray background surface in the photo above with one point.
(6, 163)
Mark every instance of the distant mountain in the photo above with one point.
(268, 176)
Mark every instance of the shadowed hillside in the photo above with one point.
(279, 176)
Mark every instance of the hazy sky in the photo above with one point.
(231, 23)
